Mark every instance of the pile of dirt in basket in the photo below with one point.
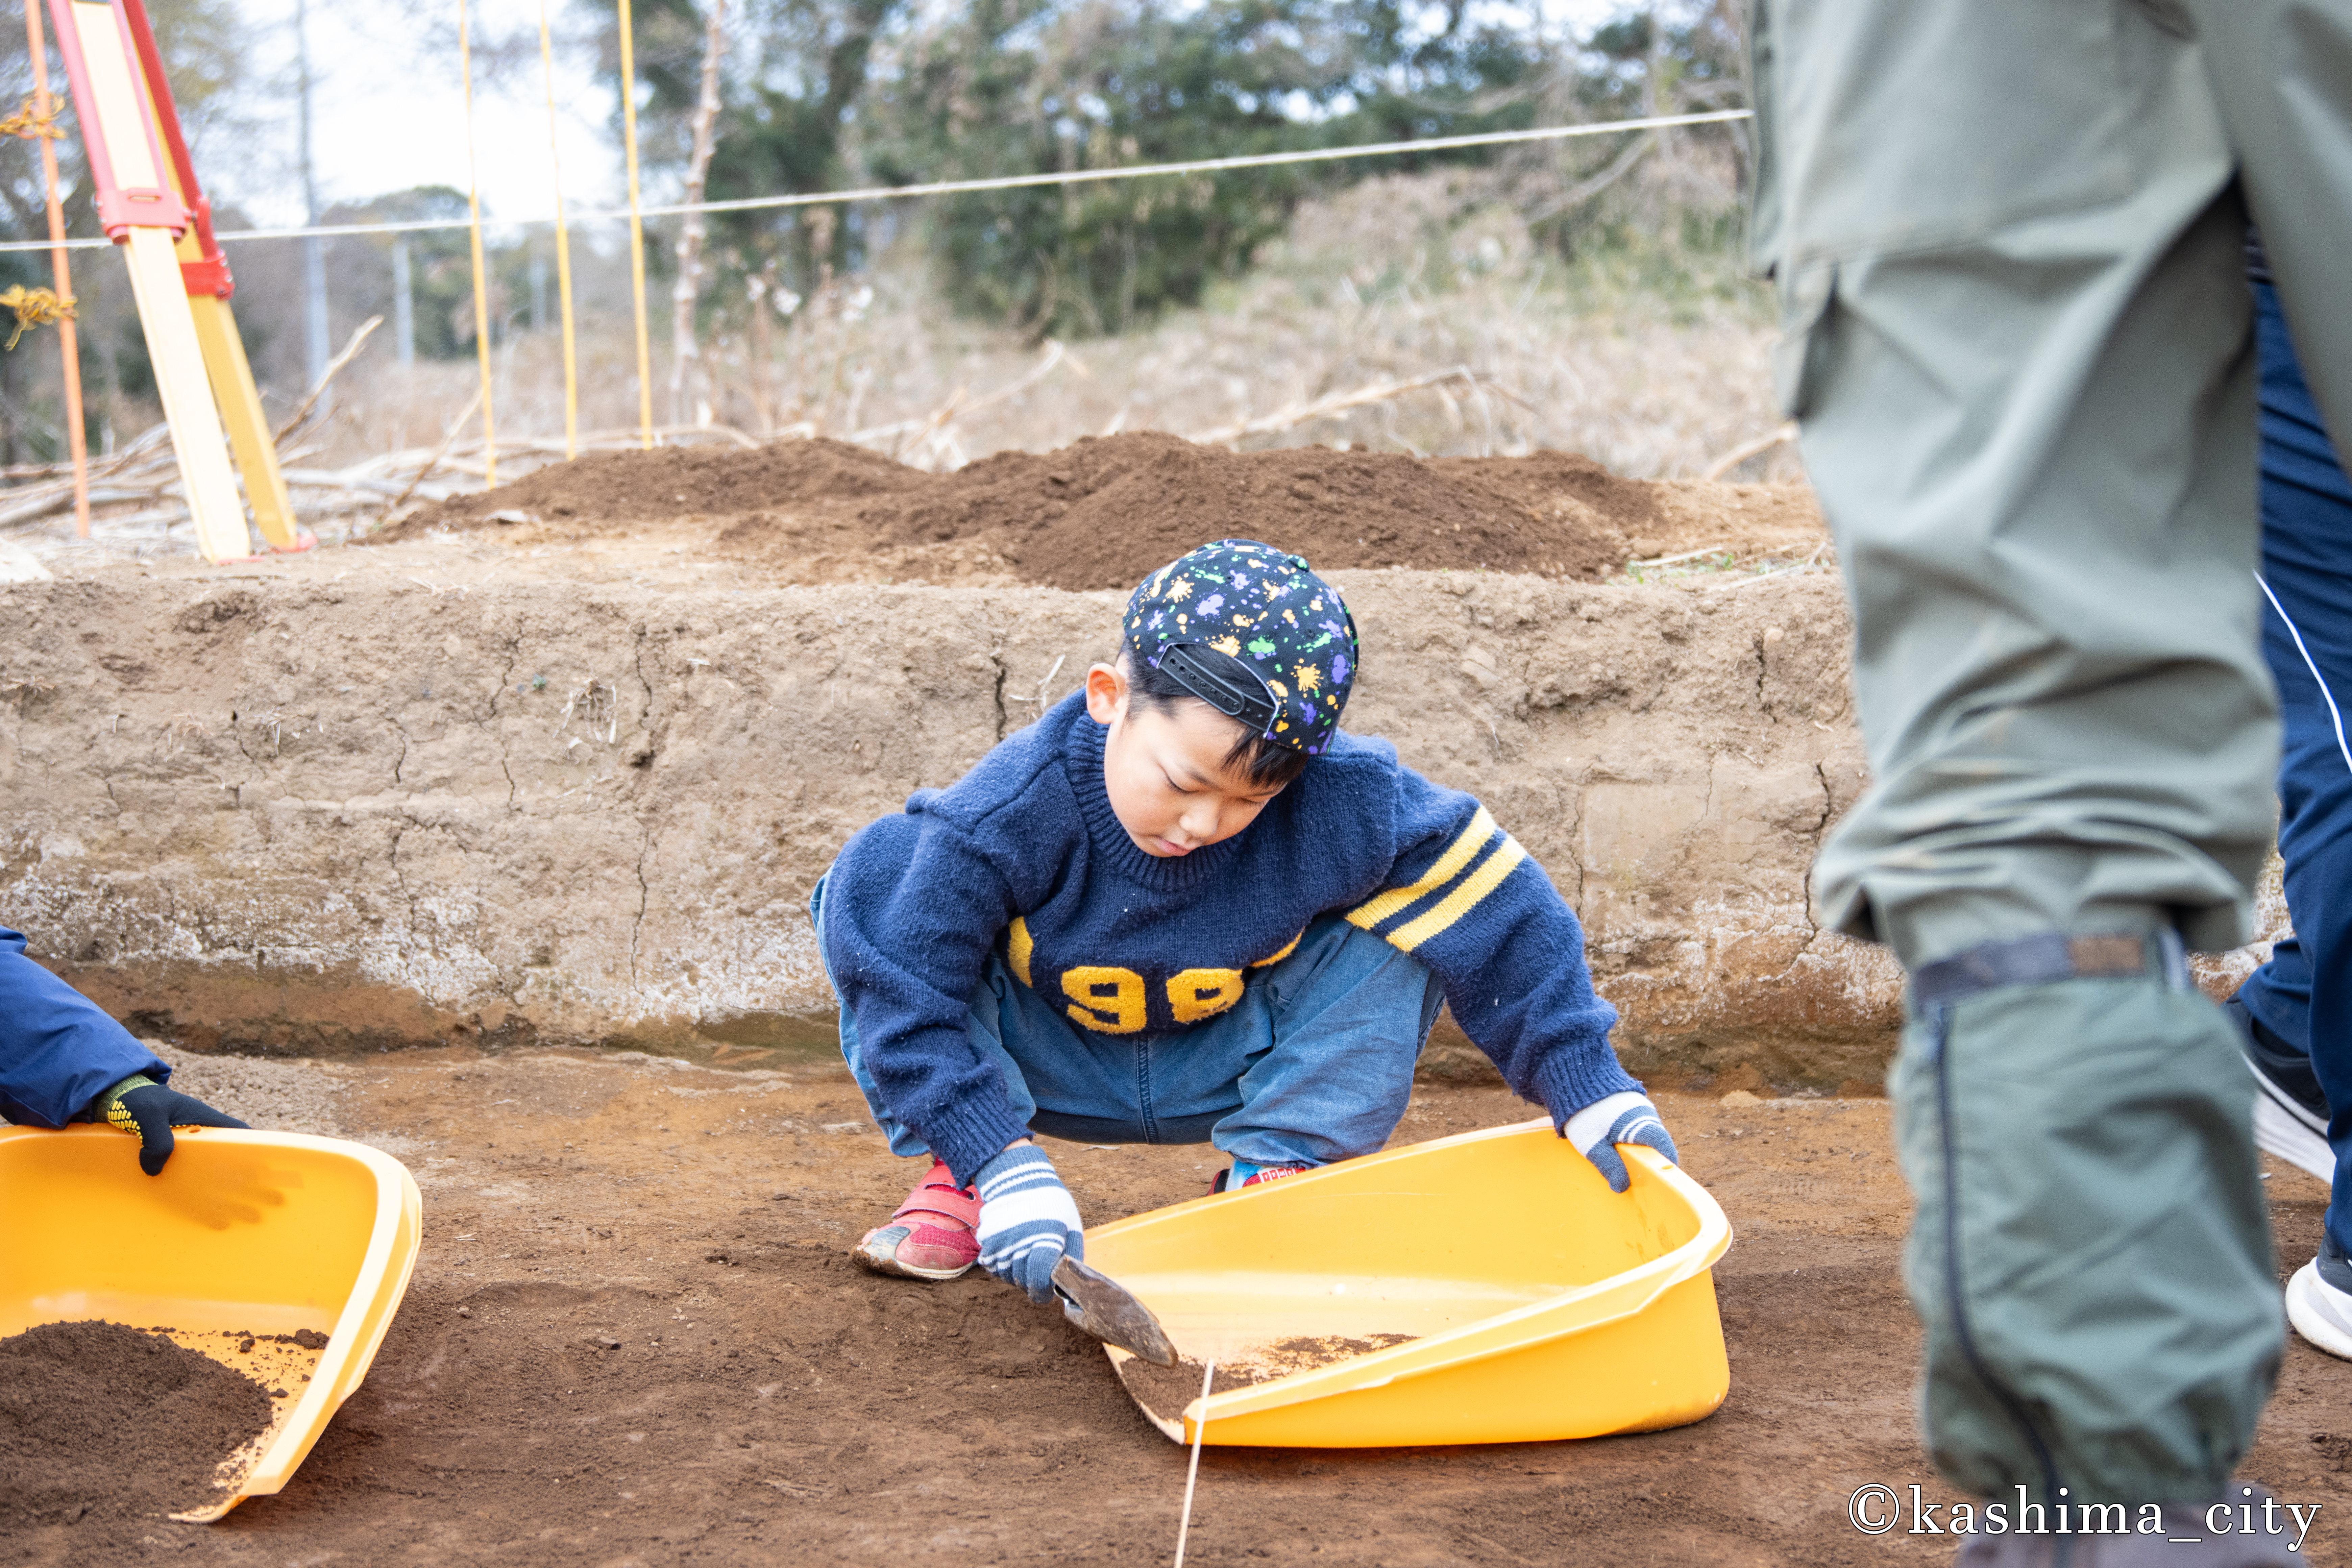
(1104, 512)
(99, 1421)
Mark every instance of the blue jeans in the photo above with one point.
(1313, 1063)
(2303, 995)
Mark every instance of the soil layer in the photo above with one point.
(324, 816)
(105, 1428)
(635, 1339)
(1102, 513)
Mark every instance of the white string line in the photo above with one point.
(2310, 664)
(1002, 183)
(1193, 1472)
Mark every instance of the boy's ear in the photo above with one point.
(1105, 694)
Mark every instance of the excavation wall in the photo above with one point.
(323, 817)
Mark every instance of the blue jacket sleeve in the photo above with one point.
(58, 1050)
(1465, 899)
(911, 911)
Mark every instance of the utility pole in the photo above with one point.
(314, 250)
(404, 302)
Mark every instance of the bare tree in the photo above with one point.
(686, 352)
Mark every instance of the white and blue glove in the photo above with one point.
(1623, 1118)
(1027, 1220)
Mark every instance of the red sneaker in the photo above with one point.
(931, 1236)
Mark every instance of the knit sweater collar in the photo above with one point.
(1082, 758)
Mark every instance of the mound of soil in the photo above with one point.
(97, 1419)
(1104, 512)
(1107, 514)
(673, 481)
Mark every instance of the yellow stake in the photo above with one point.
(481, 291)
(69, 345)
(563, 249)
(636, 231)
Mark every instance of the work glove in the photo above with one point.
(148, 1111)
(1027, 1220)
(1624, 1118)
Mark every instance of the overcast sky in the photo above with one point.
(390, 113)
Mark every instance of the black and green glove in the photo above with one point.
(148, 1111)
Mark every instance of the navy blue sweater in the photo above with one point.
(58, 1050)
(1024, 855)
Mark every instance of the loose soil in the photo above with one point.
(105, 1429)
(1105, 512)
(1165, 1390)
(634, 1338)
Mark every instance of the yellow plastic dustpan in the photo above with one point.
(243, 1233)
(1519, 1300)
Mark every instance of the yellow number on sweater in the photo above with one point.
(1110, 1001)
(1197, 993)
(1017, 949)
(1287, 949)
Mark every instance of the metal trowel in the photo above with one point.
(1103, 1307)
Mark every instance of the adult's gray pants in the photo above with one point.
(2007, 234)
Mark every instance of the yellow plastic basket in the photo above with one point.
(244, 1232)
(1539, 1305)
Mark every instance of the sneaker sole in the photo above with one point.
(2310, 1319)
(2281, 1129)
(887, 1263)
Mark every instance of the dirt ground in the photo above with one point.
(635, 1336)
(635, 1339)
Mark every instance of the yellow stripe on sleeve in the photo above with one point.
(1462, 899)
(1017, 947)
(1463, 850)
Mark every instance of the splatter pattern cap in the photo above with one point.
(1287, 629)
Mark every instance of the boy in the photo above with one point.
(63, 1060)
(1183, 908)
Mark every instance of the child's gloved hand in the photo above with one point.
(1624, 1118)
(1027, 1220)
(148, 1111)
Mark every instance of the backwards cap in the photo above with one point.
(1255, 634)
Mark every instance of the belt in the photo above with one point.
(2048, 958)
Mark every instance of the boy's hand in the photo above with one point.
(1027, 1220)
(1626, 1117)
(148, 1111)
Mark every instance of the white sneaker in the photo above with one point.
(2284, 1129)
(2285, 1126)
(2320, 1311)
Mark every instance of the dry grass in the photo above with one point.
(1413, 313)
(1392, 281)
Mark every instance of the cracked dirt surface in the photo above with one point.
(307, 813)
(634, 1340)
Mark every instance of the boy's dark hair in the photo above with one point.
(1266, 763)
